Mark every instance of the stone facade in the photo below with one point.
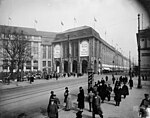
(75, 50)
(144, 37)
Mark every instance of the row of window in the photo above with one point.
(28, 64)
(45, 52)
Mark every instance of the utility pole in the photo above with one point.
(129, 64)
(139, 53)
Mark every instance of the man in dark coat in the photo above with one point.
(52, 109)
(103, 92)
(108, 91)
(51, 96)
(117, 98)
(113, 79)
(90, 99)
(125, 90)
(131, 83)
(106, 78)
(144, 105)
(66, 95)
(57, 102)
(97, 106)
(80, 99)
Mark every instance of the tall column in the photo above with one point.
(61, 60)
(71, 66)
(78, 64)
(32, 56)
(32, 65)
(39, 57)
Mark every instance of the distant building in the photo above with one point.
(41, 49)
(78, 49)
(144, 37)
(74, 50)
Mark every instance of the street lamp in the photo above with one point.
(113, 65)
(139, 52)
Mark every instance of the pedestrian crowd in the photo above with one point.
(97, 94)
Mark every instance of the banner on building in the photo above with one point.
(57, 51)
(84, 48)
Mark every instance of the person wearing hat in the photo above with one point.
(57, 102)
(80, 99)
(51, 96)
(52, 109)
(65, 95)
(145, 102)
(144, 105)
(108, 91)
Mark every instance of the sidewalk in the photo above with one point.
(14, 85)
(127, 109)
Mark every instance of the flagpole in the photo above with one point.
(62, 24)
(74, 23)
(35, 24)
(9, 20)
(94, 22)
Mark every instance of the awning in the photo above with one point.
(106, 69)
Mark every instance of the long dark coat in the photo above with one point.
(125, 90)
(65, 96)
(103, 93)
(52, 110)
(131, 83)
(97, 105)
(80, 99)
(118, 93)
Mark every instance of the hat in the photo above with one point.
(146, 95)
(66, 88)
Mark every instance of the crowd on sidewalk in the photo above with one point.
(96, 96)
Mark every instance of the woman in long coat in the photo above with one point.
(125, 90)
(131, 83)
(68, 102)
(80, 99)
(52, 109)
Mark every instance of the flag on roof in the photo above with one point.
(35, 21)
(9, 18)
(75, 20)
(95, 19)
(62, 23)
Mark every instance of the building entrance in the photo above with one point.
(84, 66)
(57, 66)
(66, 67)
(74, 68)
(95, 66)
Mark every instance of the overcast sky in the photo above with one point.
(116, 20)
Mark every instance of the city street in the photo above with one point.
(48, 45)
(33, 100)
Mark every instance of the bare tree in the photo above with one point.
(15, 50)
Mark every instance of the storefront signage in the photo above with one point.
(57, 51)
(84, 48)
